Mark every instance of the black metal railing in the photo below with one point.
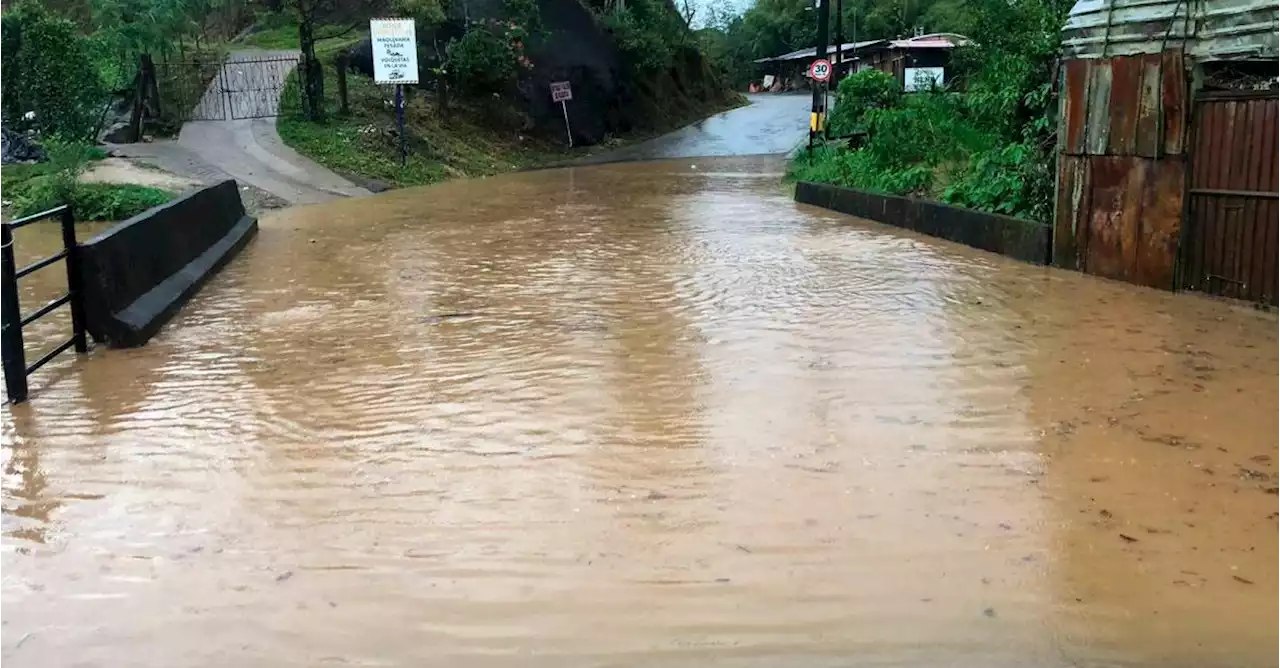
(12, 348)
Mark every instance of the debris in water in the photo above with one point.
(1251, 474)
(435, 319)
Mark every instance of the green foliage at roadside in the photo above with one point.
(50, 83)
(988, 147)
(734, 39)
(485, 59)
(490, 55)
(648, 34)
(859, 94)
(276, 38)
(364, 145)
(93, 201)
(43, 186)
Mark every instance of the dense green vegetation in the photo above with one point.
(986, 143)
(43, 186)
(768, 28)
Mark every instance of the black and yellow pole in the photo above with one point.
(817, 116)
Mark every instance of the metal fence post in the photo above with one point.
(73, 280)
(13, 355)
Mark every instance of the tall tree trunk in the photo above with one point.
(310, 76)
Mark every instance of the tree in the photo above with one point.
(317, 20)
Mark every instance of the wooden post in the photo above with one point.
(341, 64)
(150, 86)
(139, 92)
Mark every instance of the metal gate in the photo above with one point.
(238, 88)
(259, 87)
(1229, 239)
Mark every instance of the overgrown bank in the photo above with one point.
(482, 105)
(986, 143)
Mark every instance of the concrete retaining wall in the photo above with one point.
(1015, 237)
(140, 272)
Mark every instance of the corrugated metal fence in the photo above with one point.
(1122, 172)
(1229, 238)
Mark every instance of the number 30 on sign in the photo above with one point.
(820, 70)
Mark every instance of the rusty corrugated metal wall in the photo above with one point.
(1122, 169)
(1207, 30)
(1230, 241)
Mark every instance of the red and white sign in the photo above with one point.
(560, 91)
(820, 70)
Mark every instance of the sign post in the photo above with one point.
(819, 109)
(395, 61)
(562, 93)
(820, 72)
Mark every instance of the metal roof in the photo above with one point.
(940, 40)
(812, 51)
(1206, 29)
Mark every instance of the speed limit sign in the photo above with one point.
(820, 70)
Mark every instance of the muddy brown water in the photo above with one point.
(646, 414)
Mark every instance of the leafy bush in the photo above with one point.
(43, 186)
(49, 73)
(90, 201)
(860, 93)
(988, 148)
(481, 61)
(648, 33)
(523, 13)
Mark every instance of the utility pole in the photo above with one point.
(837, 73)
(817, 117)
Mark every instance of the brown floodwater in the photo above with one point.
(646, 414)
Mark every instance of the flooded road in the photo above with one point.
(647, 414)
(769, 123)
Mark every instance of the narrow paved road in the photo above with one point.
(246, 149)
(770, 124)
(249, 149)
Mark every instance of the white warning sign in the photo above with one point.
(395, 51)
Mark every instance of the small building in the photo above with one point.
(917, 62)
(911, 61)
(790, 70)
(1167, 145)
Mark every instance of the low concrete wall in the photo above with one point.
(140, 272)
(1015, 237)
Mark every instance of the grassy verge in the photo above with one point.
(476, 138)
(274, 38)
(281, 34)
(364, 145)
(30, 189)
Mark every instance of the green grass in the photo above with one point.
(38, 187)
(477, 138)
(364, 144)
(285, 36)
(279, 37)
(90, 201)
